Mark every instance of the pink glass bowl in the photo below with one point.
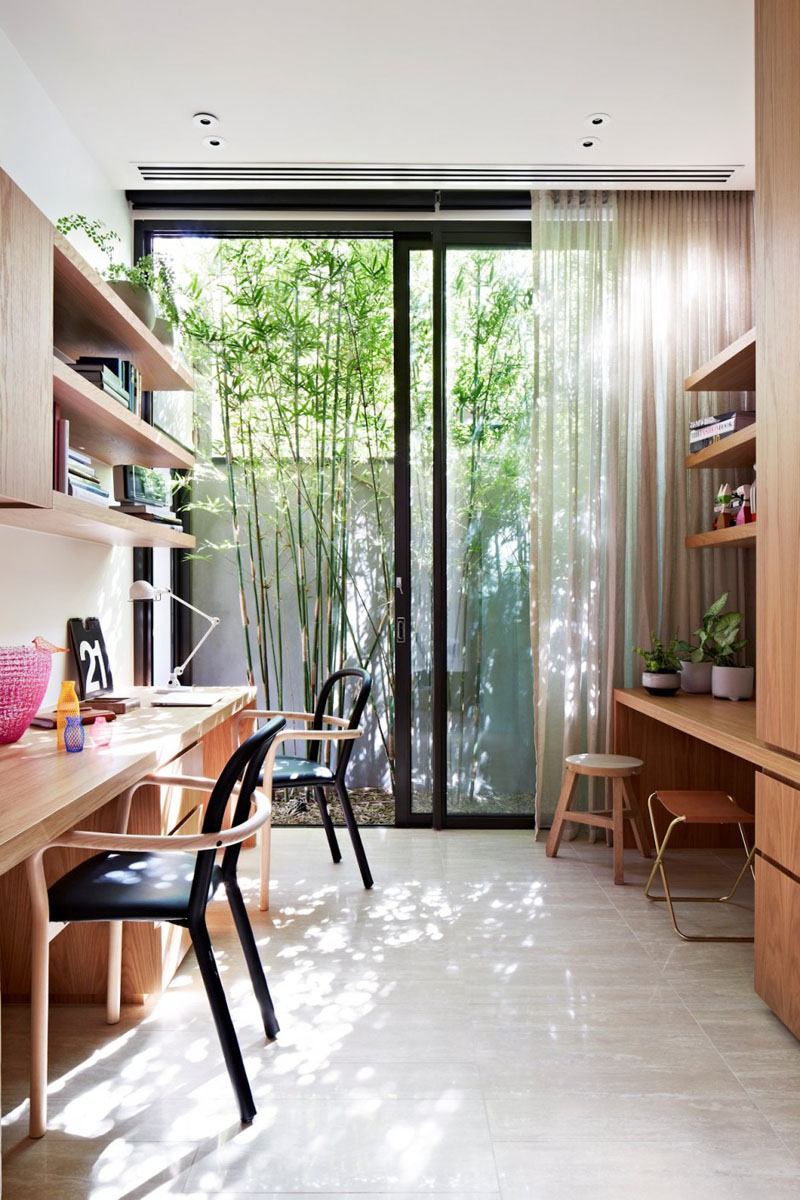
(24, 675)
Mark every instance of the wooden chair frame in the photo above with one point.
(44, 930)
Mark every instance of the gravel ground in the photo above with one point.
(370, 805)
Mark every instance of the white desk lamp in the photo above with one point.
(140, 589)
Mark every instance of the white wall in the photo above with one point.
(44, 580)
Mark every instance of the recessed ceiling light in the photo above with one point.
(204, 120)
(215, 142)
(597, 120)
(588, 142)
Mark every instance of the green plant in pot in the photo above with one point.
(729, 680)
(150, 279)
(697, 661)
(661, 675)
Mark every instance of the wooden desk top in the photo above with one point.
(44, 791)
(731, 726)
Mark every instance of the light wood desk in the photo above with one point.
(45, 791)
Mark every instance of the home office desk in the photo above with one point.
(691, 741)
(45, 791)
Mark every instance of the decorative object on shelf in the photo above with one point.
(68, 706)
(151, 276)
(101, 731)
(73, 735)
(91, 657)
(723, 517)
(740, 505)
(662, 666)
(696, 661)
(24, 676)
(141, 589)
(753, 499)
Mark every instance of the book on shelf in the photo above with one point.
(78, 456)
(705, 435)
(119, 373)
(87, 491)
(106, 380)
(83, 475)
(60, 450)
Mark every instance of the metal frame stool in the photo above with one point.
(698, 808)
(624, 805)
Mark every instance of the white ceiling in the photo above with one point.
(420, 82)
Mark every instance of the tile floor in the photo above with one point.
(485, 1023)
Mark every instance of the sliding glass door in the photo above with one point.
(464, 395)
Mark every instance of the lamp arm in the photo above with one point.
(213, 622)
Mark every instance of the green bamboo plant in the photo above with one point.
(294, 339)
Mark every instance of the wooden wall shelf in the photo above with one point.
(105, 429)
(736, 450)
(738, 537)
(733, 370)
(74, 518)
(89, 318)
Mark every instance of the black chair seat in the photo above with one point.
(300, 772)
(127, 887)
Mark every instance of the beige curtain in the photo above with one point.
(632, 291)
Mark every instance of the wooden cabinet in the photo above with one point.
(778, 322)
(26, 376)
(50, 296)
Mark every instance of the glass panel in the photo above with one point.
(489, 400)
(421, 457)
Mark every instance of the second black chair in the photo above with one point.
(311, 772)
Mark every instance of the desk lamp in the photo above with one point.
(140, 589)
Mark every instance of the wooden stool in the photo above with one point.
(624, 805)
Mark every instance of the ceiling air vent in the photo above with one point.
(431, 175)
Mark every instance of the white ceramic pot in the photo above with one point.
(732, 683)
(138, 299)
(696, 677)
(661, 683)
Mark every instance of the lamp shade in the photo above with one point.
(140, 589)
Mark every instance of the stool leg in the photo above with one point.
(562, 808)
(618, 819)
(637, 823)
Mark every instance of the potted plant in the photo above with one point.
(662, 665)
(729, 681)
(696, 661)
(139, 286)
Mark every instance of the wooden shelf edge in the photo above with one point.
(736, 450)
(161, 369)
(732, 370)
(84, 521)
(111, 432)
(738, 537)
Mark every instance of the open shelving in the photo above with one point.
(74, 518)
(737, 537)
(732, 370)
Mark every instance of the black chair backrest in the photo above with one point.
(345, 748)
(245, 763)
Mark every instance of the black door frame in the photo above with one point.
(438, 235)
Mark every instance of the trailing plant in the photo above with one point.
(660, 658)
(152, 272)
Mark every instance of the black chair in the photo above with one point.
(159, 878)
(310, 772)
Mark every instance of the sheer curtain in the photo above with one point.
(632, 291)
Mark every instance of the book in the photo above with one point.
(711, 420)
(721, 428)
(106, 380)
(79, 457)
(85, 491)
(83, 475)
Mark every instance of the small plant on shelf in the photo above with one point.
(697, 661)
(662, 665)
(149, 281)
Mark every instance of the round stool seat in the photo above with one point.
(610, 766)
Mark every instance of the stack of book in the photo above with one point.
(115, 376)
(151, 512)
(707, 430)
(82, 481)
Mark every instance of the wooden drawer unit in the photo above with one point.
(778, 822)
(777, 946)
